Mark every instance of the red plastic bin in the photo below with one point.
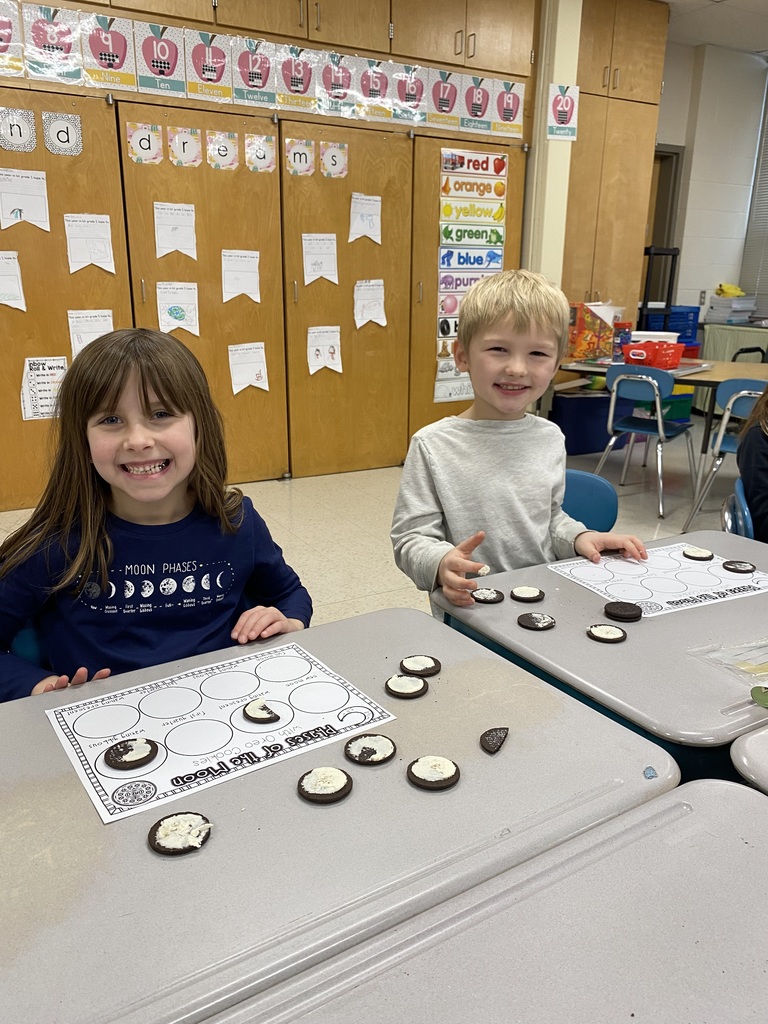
(664, 355)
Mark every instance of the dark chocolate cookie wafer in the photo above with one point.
(698, 554)
(740, 567)
(487, 595)
(324, 785)
(406, 687)
(370, 748)
(257, 711)
(433, 772)
(129, 754)
(420, 665)
(179, 833)
(535, 620)
(623, 611)
(492, 740)
(605, 633)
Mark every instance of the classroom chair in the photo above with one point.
(736, 398)
(27, 644)
(734, 514)
(752, 349)
(643, 384)
(590, 499)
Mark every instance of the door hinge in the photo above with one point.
(533, 56)
(391, 30)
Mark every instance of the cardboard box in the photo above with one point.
(590, 334)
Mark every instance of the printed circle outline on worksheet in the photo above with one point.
(100, 766)
(320, 697)
(243, 724)
(231, 685)
(203, 736)
(283, 668)
(170, 702)
(110, 720)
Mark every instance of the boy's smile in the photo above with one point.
(509, 370)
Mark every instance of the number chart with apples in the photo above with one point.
(473, 199)
(196, 721)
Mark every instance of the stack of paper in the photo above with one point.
(725, 309)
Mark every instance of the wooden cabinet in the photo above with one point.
(610, 183)
(359, 24)
(621, 51)
(492, 35)
(189, 10)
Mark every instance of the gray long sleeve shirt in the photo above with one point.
(506, 477)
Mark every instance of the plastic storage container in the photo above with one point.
(682, 319)
(664, 355)
(583, 419)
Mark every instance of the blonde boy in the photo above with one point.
(491, 480)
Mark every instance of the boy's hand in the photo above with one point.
(453, 568)
(590, 544)
(262, 622)
(62, 682)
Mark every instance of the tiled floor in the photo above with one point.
(334, 530)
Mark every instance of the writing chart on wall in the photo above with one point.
(468, 203)
(347, 216)
(59, 158)
(206, 259)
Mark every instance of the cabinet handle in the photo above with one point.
(143, 291)
(458, 42)
(295, 292)
(301, 13)
(586, 296)
(616, 78)
(317, 8)
(421, 291)
(606, 76)
(471, 41)
(597, 296)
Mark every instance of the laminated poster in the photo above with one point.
(52, 44)
(11, 46)
(109, 60)
(254, 71)
(209, 66)
(160, 59)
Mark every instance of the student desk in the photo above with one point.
(650, 682)
(98, 928)
(749, 754)
(656, 916)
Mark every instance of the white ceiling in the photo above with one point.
(738, 24)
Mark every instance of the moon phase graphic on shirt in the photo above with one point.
(92, 590)
(111, 590)
(205, 582)
(188, 584)
(129, 589)
(167, 586)
(147, 589)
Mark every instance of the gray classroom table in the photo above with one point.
(749, 754)
(651, 681)
(656, 917)
(97, 928)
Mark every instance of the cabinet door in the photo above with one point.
(86, 183)
(286, 18)
(356, 419)
(234, 209)
(426, 247)
(625, 186)
(500, 35)
(595, 43)
(194, 10)
(639, 42)
(362, 24)
(584, 198)
(436, 28)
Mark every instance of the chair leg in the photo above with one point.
(701, 495)
(646, 450)
(627, 457)
(691, 460)
(660, 475)
(606, 452)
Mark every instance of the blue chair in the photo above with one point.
(590, 499)
(734, 515)
(736, 398)
(643, 384)
(27, 644)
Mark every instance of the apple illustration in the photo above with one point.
(336, 78)
(297, 73)
(373, 81)
(563, 105)
(109, 48)
(6, 34)
(208, 60)
(161, 55)
(254, 67)
(476, 98)
(50, 37)
(508, 103)
(444, 93)
(410, 88)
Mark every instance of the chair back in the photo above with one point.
(27, 644)
(637, 382)
(736, 398)
(590, 499)
(751, 350)
(735, 516)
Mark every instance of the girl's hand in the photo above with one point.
(451, 573)
(262, 622)
(62, 682)
(590, 544)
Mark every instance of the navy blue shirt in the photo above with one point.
(174, 591)
(752, 457)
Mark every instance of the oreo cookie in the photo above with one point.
(605, 633)
(487, 595)
(492, 740)
(535, 620)
(420, 665)
(698, 554)
(740, 567)
(526, 594)
(257, 711)
(623, 611)
(370, 748)
(406, 687)
(324, 785)
(179, 833)
(433, 772)
(129, 754)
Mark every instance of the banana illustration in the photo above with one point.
(499, 215)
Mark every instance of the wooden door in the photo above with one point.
(283, 18)
(234, 209)
(189, 10)
(361, 24)
(85, 183)
(500, 35)
(639, 43)
(426, 243)
(625, 186)
(595, 45)
(584, 198)
(433, 28)
(356, 419)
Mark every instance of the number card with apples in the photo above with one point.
(108, 56)
(254, 72)
(160, 58)
(209, 66)
(563, 112)
(11, 48)
(52, 45)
